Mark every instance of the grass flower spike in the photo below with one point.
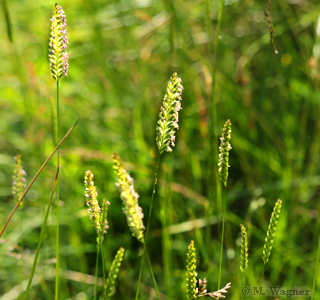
(129, 198)
(58, 41)
(98, 216)
(103, 217)
(191, 272)
(92, 201)
(244, 249)
(18, 180)
(169, 116)
(271, 231)
(194, 292)
(224, 149)
(114, 272)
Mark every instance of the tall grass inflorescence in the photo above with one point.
(223, 165)
(98, 218)
(165, 139)
(59, 66)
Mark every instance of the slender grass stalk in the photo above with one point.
(153, 277)
(148, 224)
(58, 204)
(104, 273)
(165, 139)
(44, 224)
(96, 272)
(58, 58)
(172, 34)
(315, 271)
(165, 217)
(8, 20)
(35, 177)
(223, 164)
(222, 236)
(214, 188)
(267, 16)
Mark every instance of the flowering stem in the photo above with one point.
(241, 285)
(104, 273)
(147, 230)
(58, 198)
(96, 273)
(222, 234)
(44, 224)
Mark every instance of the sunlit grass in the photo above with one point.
(122, 53)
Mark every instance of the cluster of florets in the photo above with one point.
(224, 149)
(18, 180)
(129, 197)
(58, 41)
(169, 115)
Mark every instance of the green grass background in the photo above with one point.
(122, 54)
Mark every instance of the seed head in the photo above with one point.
(271, 231)
(129, 198)
(98, 216)
(244, 249)
(169, 115)
(113, 273)
(58, 41)
(92, 201)
(191, 272)
(224, 149)
(18, 180)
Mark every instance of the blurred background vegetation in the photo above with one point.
(122, 54)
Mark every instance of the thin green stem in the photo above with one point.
(214, 189)
(165, 216)
(153, 278)
(315, 271)
(148, 224)
(208, 23)
(241, 285)
(104, 272)
(222, 235)
(262, 275)
(216, 43)
(44, 224)
(96, 273)
(58, 198)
